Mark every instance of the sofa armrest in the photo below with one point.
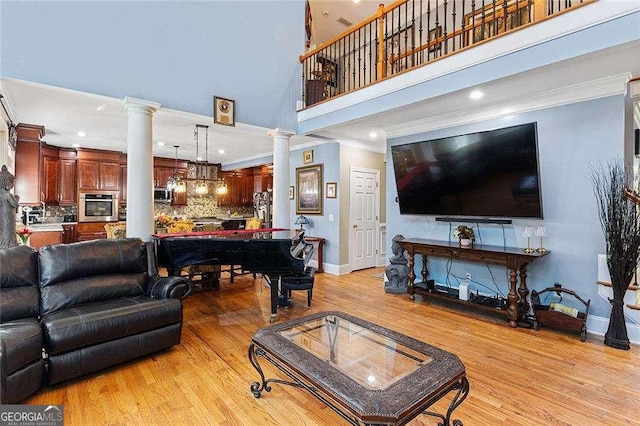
(168, 287)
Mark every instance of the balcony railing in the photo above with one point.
(412, 33)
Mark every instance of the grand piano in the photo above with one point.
(273, 253)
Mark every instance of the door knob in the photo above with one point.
(355, 226)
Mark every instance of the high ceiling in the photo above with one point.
(65, 112)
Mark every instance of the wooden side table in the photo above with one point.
(320, 242)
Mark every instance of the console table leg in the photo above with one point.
(512, 310)
(424, 271)
(412, 276)
(523, 291)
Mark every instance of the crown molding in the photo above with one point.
(580, 92)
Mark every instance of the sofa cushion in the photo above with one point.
(90, 289)
(93, 323)
(64, 262)
(21, 343)
(19, 296)
(91, 271)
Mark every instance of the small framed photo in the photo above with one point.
(332, 189)
(291, 192)
(224, 111)
(307, 157)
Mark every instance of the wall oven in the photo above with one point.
(98, 206)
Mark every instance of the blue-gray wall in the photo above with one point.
(177, 53)
(327, 154)
(570, 138)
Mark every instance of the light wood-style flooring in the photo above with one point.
(517, 376)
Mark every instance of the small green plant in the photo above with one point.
(464, 232)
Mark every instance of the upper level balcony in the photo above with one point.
(414, 50)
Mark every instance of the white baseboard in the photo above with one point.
(599, 326)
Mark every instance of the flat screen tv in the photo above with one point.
(491, 174)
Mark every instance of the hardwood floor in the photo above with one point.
(517, 376)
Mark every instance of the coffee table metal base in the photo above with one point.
(461, 387)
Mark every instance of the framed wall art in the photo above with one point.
(332, 189)
(307, 157)
(309, 189)
(224, 111)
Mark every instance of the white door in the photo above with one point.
(364, 195)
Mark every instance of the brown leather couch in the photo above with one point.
(68, 310)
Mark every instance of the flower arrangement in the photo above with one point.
(464, 232)
(24, 234)
(163, 221)
(180, 225)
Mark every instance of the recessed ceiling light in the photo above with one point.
(476, 94)
(81, 134)
(373, 134)
(221, 151)
(76, 145)
(101, 107)
(160, 143)
(356, 1)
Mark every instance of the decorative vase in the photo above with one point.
(25, 240)
(465, 242)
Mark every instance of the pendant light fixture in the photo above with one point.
(201, 184)
(175, 182)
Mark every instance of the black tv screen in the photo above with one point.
(486, 174)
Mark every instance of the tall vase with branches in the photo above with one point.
(620, 220)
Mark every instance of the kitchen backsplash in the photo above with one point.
(200, 207)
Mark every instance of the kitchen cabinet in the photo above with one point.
(45, 238)
(49, 178)
(68, 233)
(44, 173)
(27, 168)
(86, 231)
(163, 169)
(67, 181)
(98, 170)
(262, 179)
(240, 186)
(123, 180)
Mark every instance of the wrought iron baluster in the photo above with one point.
(435, 31)
(453, 20)
(444, 34)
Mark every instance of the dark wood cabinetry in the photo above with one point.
(98, 170)
(90, 231)
(240, 185)
(262, 179)
(163, 169)
(28, 145)
(68, 233)
(44, 173)
(67, 177)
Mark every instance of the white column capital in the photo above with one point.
(140, 105)
(278, 132)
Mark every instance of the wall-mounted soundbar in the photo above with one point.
(473, 220)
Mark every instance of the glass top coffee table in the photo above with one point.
(366, 373)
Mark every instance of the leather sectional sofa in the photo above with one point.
(68, 310)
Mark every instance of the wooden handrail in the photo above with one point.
(353, 29)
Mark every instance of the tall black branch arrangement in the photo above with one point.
(620, 220)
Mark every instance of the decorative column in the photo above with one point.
(281, 208)
(140, 167)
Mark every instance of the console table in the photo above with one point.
(513, 258)
(320, 242)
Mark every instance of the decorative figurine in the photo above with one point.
(397, 272)
(8, 209)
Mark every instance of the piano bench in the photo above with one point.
(298, 281)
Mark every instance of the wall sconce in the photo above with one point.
(527, 233)
(301, 220)
(541, 232)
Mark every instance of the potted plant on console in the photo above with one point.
(465, 235)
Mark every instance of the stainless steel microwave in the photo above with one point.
(98, 206)
(162, 195)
